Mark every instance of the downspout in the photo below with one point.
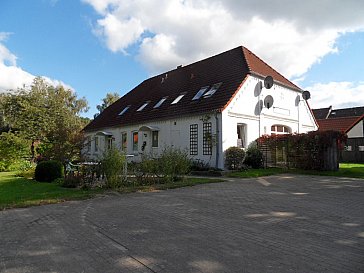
(217, 141)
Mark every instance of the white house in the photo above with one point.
(205, 108)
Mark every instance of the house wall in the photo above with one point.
(243, 109)
(287, 110)
(357, 130)
(174, 132)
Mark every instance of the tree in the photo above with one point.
(106, 102)
(13, 148)
(47, 114)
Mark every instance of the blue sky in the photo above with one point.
(100, 46)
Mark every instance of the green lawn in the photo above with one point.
(345, 170)
(23, 192)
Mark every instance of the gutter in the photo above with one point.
(217, 141)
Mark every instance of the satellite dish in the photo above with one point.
(268, 101)
(268, 82)
(258, 89)
(306, 95)
(258, 107)
(297, 100)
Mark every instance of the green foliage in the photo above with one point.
(112, 165)
(106, 102)
(312, 151)
(47, 114)
(254, 157)
(234, 158)
(47, 171)
(249, 173)
(26, 168)
(173, 163)
(171, 166)
(199, 165)
(71, 181)
(22, 192)
(13, 148)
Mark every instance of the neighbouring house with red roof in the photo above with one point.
(349, 121)
(204, 107)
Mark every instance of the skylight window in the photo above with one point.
(124, 110)
(200, 92)
(212, 90)
(178, 99)
(159, 103)
(143, 106)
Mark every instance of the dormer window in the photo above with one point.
(159, 103)
(212, 90)
(178, 99)
(124, 110)
(200, 92)
(143, 106)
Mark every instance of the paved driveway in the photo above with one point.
(275, 224)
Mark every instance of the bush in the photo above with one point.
(112, 165)
(47, 171)
(26, 169)
(173, 163)
(234, 158)
(71, 181)
(254, 157)
(199, 165)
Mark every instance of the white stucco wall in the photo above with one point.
(357, 130)
(287, 110)
(174, 132)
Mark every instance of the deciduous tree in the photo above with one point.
(48, 114)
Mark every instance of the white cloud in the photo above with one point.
(123, 32)
(13, 76)
(291, 35)
(337, 94)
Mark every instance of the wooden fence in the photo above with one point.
(353, 151)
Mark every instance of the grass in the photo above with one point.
(187, 182)
(18, 192)
(256, 172)
(23, 192)
(345, 170)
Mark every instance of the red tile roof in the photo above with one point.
(230, 68)
(338, 124)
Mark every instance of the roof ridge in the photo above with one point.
(193, 63)
(261, 60)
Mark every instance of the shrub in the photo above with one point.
(26, 169)
(173, 163)
(47, 171)
(112, 165)
(13, 148)
(199, 165)
(70, 181)
(254, 157)
(234, 158)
